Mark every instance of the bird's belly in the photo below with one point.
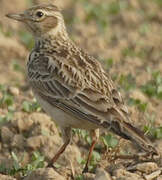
(62, 118)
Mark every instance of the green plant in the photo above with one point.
(110, 141)
(6, 117)
(153, 88)
(37, 161)
(151, 129)
(155, 132)
(28, 106)
(128, 52)
(102, 11)
(16, 66)
(144, 28)
(109, 62)
(142, 106)
(127, 82)
(97, 12)
(83, 134)
(81, 161)
(96, 157)
(159, 2)
(79, 177)
(7, 100)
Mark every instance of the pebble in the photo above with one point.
(101, 174)
(14, 91)
(44, 174)
(4, 177)
(146, 167)
(6, 134)
(153, 175)
(126, 175)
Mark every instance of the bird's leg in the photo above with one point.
(67, 139)
(95, 135)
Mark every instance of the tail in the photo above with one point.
(123, 128)
(139, 138)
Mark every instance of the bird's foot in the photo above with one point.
(85, 170)
(50, 165)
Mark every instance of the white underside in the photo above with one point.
(62, 118)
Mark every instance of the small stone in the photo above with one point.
(21, 122)
(14, 91)
(159, 178)
(5, 177)
(6, 134)
(43, 122)
(48, 144)
(89, 176)
(113, 178)
(153, 175)
(101, 174)
(126, 175)
(18, 141)
(147, 167)
(35, 142)
(44, 174)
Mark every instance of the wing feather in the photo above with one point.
(88, 85)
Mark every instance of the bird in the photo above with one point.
(72, 86)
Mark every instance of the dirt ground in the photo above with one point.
(126, 36)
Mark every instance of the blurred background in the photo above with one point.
(125, 36)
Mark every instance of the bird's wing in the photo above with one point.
(78, 81)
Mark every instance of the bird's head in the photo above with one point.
(41, 19)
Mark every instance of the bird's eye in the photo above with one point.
(39, 14)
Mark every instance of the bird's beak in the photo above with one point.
(18, 17)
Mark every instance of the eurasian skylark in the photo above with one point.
(70, 85)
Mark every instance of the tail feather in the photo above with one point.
(139, 138)
(123, 128)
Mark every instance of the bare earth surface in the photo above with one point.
(126, 36)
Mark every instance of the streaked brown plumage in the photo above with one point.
(71, 86)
